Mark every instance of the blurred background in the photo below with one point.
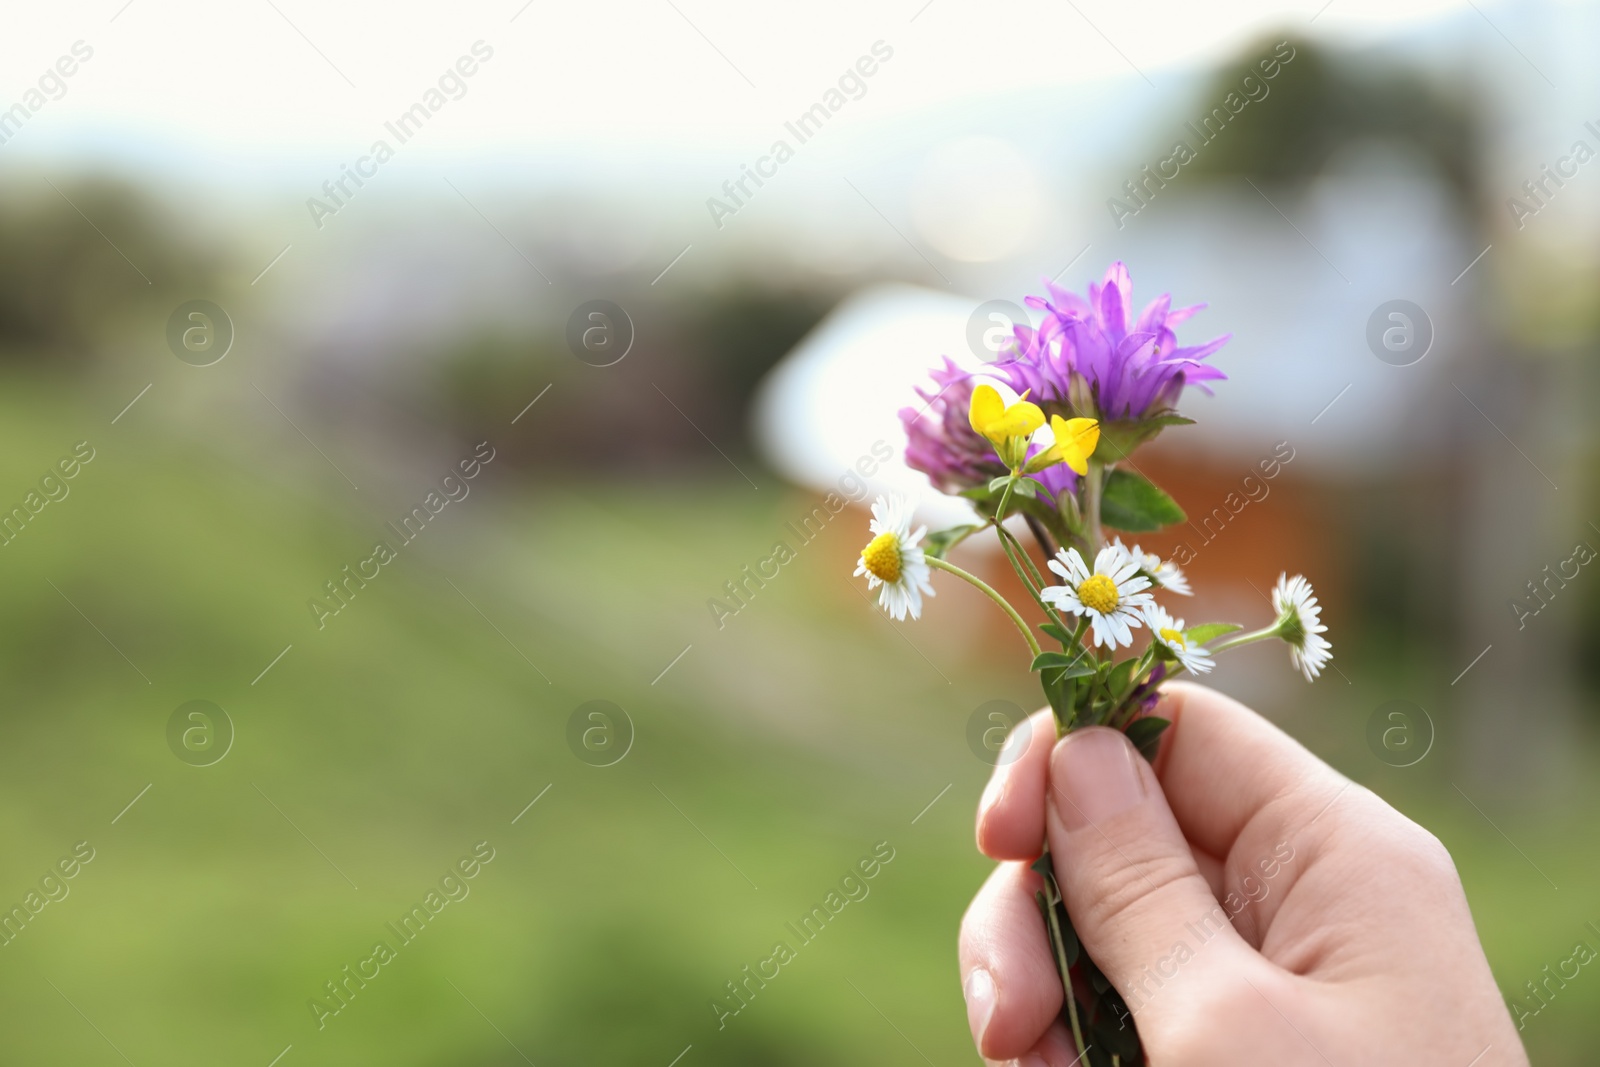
(240, 343)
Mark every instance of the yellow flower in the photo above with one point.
(1008, 428)
(1075, 443)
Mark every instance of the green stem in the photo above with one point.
(989, 591)
(1012, 559)
(1077, 1030)
(962, 537)
(1005, 498)
(1245, 639)
(1092, 488)
(1049, 902)
(1014, 547)
(1038, 578)
(1083, 650)
(1031, 577)
(1016, 564)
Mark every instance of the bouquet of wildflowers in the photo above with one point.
(1047, 434)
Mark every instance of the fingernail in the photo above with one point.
(1093, 777)
(979, 991)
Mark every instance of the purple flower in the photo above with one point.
(940, 441)
(1057, 479)
(1133, 368)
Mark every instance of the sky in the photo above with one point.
(665, 99)
(257, 82)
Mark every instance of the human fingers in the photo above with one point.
(1010, 822)
(1054, 1049)
(1011, 811)
(1008, 978)
(1131, 883)
(1222, 765)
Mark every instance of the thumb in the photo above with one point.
(1137, 900)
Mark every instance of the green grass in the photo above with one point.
(792, 740)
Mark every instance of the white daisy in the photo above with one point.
(1163, 573)
(1168, 632)
(1111, 595)
(893, 560)
(1300, 624)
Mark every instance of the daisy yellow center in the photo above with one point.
(1098, 593)
(881, 557)
(1173, 637)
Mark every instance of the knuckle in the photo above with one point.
(1429, 852)
(1128, 883)
(1417, 847)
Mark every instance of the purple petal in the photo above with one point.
(1154, 317)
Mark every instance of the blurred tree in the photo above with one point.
(77, 259)
(1323, 102)
(744, 331)
(692, 370)
(1480, 539)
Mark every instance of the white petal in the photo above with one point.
(1135, 583)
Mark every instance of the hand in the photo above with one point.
(1250, 904)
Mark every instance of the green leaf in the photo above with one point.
(998, 483)
(1117, 680)
(940, 541)
(1056, 632)
(1132, 502)
(1207, 631)
(1075, 666)
(1083, 687)
(1058, 691)
(1025, 487)
(1064, 943)
(1114, 1031)
(1057, 672)
(1069, 936)
(1119, 437)
(1146, 734)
